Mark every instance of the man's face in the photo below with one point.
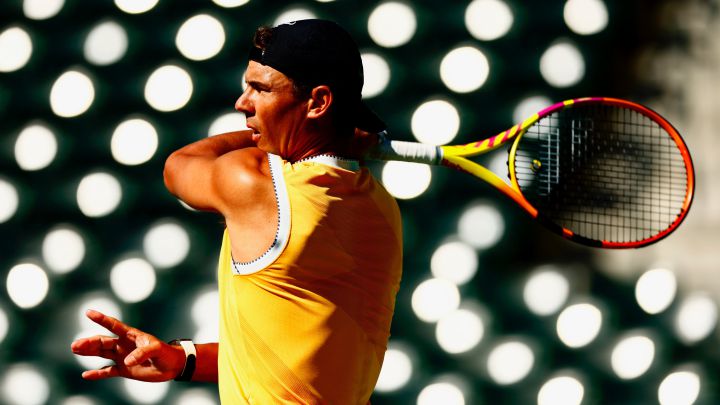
(272, 109)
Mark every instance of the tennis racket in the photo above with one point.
(602, 172)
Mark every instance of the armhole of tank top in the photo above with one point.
(282, 233)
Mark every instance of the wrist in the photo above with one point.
(190, 358)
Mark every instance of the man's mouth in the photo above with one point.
(255, 135)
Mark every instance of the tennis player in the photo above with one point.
(311, 256)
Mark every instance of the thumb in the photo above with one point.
(142, 354)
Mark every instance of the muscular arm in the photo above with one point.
(226, 174)
(197, 173)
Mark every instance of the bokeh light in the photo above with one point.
(392, 24)
(435, 298)
(72, 94)
(27, 285)
(561, 390)
(481, 225)
(397, 369)
(136, 6)
(454, 261)
(632, 356)
(4, 325)
(488, 20)
(228, 122)
(200, 37)
(459, 331)
(106, 43)
(35, 147)
(166, 244)
(464, 69)
(562, 65)
(585, 17)
(196, 396)
(509, 362)
(696, 317)
(441, 393)
(406, 180)
(169, 88)
(63, 249)
(529, 106)
(15, 49)
(78, 400)
(579, 324)
(141, 392)
(42, 9)
(435, 122)
(9, 200)
(98, 194)
(24, 384)
(679, 388)
(132, 280)
(134, 142)
(230, 3)
(546, 291)
(655, 290)
(377, 74)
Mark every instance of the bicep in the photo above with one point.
(214, 183)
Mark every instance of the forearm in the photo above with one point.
(206, 369)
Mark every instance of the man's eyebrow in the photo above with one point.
(257, 85)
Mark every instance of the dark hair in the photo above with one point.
(340, 111)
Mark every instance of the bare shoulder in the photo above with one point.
(247, 164)
(243, 181)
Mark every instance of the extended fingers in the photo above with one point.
(108, 322)
(105, 372)
(102, 346)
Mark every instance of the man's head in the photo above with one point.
(323, 68)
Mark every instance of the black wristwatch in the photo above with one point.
(190, 358)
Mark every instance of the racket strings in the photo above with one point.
(604, 172)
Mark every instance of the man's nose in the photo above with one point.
(243, 104)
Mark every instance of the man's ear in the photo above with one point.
(320, 100)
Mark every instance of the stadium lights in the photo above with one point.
(455, 261)
(464, 69)
(406, 180)
(16, 48)
(655, 290)
(392, 24)
(377, 74)
(35, 147)
(488, 20)
(106, 43)
(42, 9)
(481, 225)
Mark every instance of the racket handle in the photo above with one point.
(406, 151)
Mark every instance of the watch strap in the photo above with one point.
(190, 359)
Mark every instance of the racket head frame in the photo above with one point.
(456, 157)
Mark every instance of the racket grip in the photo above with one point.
(406, 151)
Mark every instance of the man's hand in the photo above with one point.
(137, 355)
(361, 143)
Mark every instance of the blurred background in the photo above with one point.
(493, 309)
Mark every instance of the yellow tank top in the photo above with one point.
(308, 321)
